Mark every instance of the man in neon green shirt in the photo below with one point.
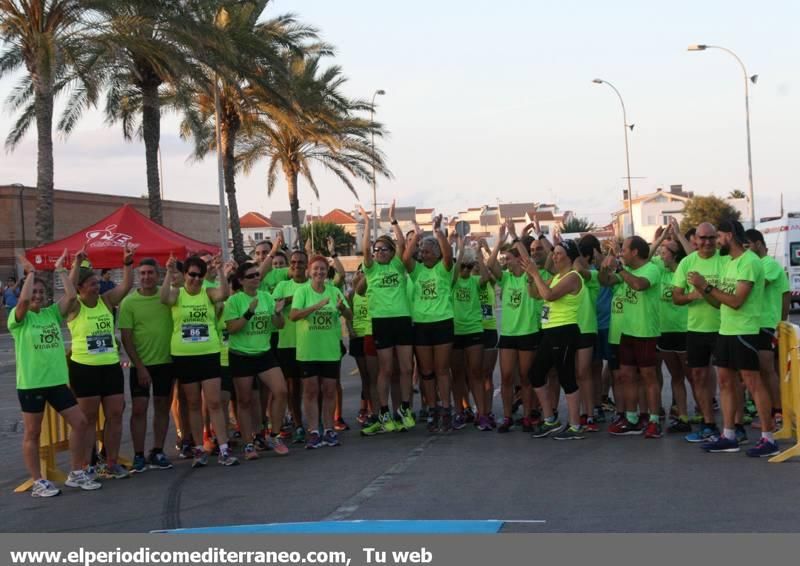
(146, 327)
(740, 297)
(777, 295)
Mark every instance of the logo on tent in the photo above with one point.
(107, 237)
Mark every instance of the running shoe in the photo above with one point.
(159, 461)
(313, 440)
(652, 430)
(679, 426)
(407, 416)
(546, 428)
(114, 472)
(362, 417)
(527, 424)
(286, 432)
(340, 425)
(624, 427)
(469, 415)
(398, 423)
(484, 424)
(299, 435)
(387, 422)
(445, 421)
(276, 444)
(588, 424)
(79, 478)
(492, 420)
(259, 443)
(139, 464)
(741, 435)
(705, 434)
(330, 438)
(721, 444)
(505, 426)
(228, 459)
(200, 459)
(460, 421)
(673, 412)
(43, 488)
(433, 420)
(569, 433)
(609, 405)
(372, 427)
(764, 448)
(697, 418)
(91, 473)
(250, 452)
(186, 451)
(599, 415)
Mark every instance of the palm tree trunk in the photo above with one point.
(228, 132)
(151, 132)
(44, 167)
(294, 203)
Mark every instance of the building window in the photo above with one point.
(258, 235)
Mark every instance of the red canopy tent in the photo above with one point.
(105, 239)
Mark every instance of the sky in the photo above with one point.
(494, 101)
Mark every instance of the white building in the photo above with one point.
(651, 211)
(257, 227)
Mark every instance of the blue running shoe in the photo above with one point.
(313, 440)
(720, 445)
(706, 434)
(330, 438)
(763, 449)
(741, 435)
(139, 464)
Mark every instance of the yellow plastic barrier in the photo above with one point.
(789, 375)
(55, 439)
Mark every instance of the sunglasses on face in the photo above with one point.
(706, 238)
(297, 262)
(381, 249)
(252, 275)
(194, 274)
(467, 265)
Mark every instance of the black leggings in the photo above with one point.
(557, 348)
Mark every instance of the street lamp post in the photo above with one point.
(374, 184)
(625, 127)
(747, 80)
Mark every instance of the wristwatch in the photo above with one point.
(707, 289)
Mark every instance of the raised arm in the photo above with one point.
(169, 294)
(366, 244)
(444, 245)
(114, 296)
(24, 299)
(67, 300)
(408, 259)
(661, 234)
(266, 265)
(75, 271)
(676, 232)
(219, 294)
(338, 279)
(400, 245)
(493, 264)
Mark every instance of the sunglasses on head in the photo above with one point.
(194, 274)
(252, 275)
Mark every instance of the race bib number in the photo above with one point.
(194, 332)
(99, 343)
(545, 314)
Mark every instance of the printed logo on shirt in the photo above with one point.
(320, 320)
(515, 298)
(389, 280)
(428, 290)
(463, 295)
(49, 337)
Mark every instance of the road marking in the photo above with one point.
(352, 505)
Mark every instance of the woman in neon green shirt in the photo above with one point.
(563, 296)
(195, 349)
(391, 323)
(42, 376)
(467, 358)
(94, 371)
(432, 312)
(316, 307)
(250, 315)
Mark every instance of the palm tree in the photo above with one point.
(737, 193)
(45, 37)
(145, 46)
(575, 225)
(322, 128)
(257, 50)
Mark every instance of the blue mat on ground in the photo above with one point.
(354, 527)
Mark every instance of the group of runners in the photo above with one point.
(262, 340)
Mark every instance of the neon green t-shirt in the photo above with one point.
(587, 313)
(747, 318)
(210, 284)
(285, 290)
(387, 285)
(253, 338)
(539, 303)
(564, 310)
(519, 314)
(362, 321)
(93, 339)
(39, 348)
(776, 283)
(640, 315)
(272, 278)
(702, 317)
(194, 325)
(151, 323)
(674, 318)
(432, 299)
(318, 334)
(467, 315)
(488, 299)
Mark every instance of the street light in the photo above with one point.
(747, 80)
(378, 92)
(625, 127)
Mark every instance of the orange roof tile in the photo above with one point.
(338, 216)
(255, 220)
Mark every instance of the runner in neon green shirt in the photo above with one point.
(488, 298)
(316, 307)
(95, 374)
(432, 311)
(250, 315)
(42, 375)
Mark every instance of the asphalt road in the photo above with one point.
(601, 484)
